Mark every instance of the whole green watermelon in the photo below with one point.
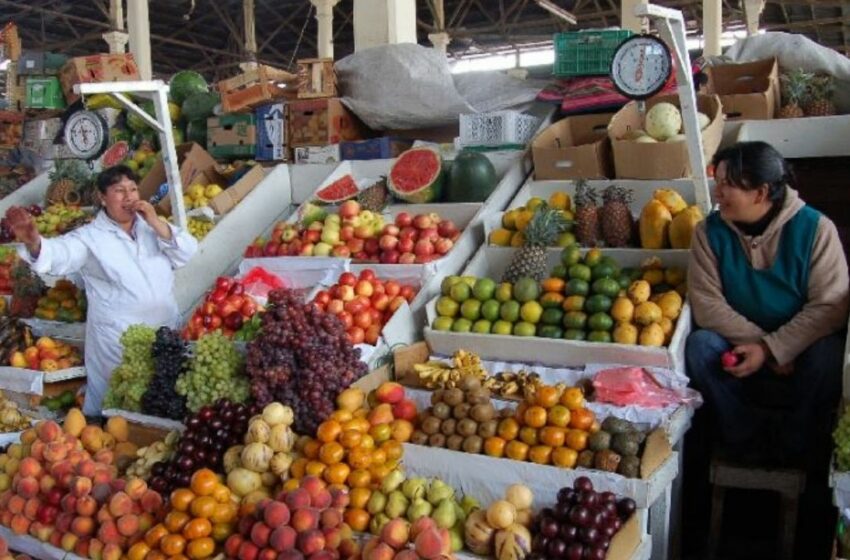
(196, 131)
(199, 106)
(185, 83)
(472, 178)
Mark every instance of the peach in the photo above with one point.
(260, 533)
(117, 484)
(348, 548)
(421, 525)
(81, 486)
(29, 436)
(27, 486)
(102, 475)
(65, 480)
(46, 483)
(429, 544)
(324, 555)
(82, 548)
(69, 503)
(104, 456)
(331, 518)
(4, 500)
(248, 551)
(108, 533)
(283, 538)
(381, 552)
(6, 518)
(135, 488)
(267, 554)
(321, 499)
(55, 451)
(128, 525)
(298, 499)
(396, 533)
(48, 431)
(61, 468)
(333, 536)
(340, 498)
(151, 501)
(111, 551)
(37, 449)
(82, 526)
(381, 414)
(43, 532)
(146, 521)
(369, 547)
(63, 522)
(31, 508)
(92, 438)
(69, 541)
(86, 468)
(276, 514)
(231, 546)
(77, 457)
(313, 485)
(305, 519)
(120, 504)
(20, 525)
(86, 506)
(16, 504)
(47, 514)
(292, 554)
(95, 549)
(406, 554)
(101, 492)
(311, 541)
(389, 392)
(446, 538)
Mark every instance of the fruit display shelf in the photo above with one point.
(31, 193)
(35, 548)
(807, 137)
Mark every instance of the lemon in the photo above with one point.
(625, 333)
(623, 310)
(509, 219)
(196, 191)
(639, 291)
(670, 304)
(522, 219)
(213, 190)
(517, 239)
(647, 313)
(534, 203)
(651, 335)
(560, 200)
(531, 311)
(501, 237)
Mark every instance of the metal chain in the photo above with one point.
(300, 37)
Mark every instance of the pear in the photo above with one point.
(419, 508)
(392, 481)
(445, 515)
(456, 534)
(377, 502)
(439, 491)
(460, 514)
(414, 488)
(469, 504)
(377, 523)
(397, 505)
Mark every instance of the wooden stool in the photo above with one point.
(789, 483)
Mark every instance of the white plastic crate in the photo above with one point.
(497, 129)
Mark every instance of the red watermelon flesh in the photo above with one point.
(417, 176)
(115, 154)
(340, 190)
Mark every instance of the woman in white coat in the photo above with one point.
(126, 257)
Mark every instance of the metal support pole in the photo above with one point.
(712, 26)
(325, 18)
(138, 22)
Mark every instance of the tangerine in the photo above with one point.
(315, 468)
(564, 457)
(176, 520)
(203, 482)
(359, 478)
(508, 429)
(546, 396)
(576, 439)
(331, 453)
(311, 449)
(552, 436)
(359, 458)
(197, 528)
(357, 519)
(494, 446)
(581, 419)
(528, 435)
(393, 449)
(540, 454)
(337, 473)
(350, 438)
(172, 544)
(516, 450)
(181, 499)
(200, 548)
(328, 431)
(534, 416)
(359, 497)
(572, 398)
(155, 534)
(221, 531)
(298, 467)
(138, 551)
(203, 506)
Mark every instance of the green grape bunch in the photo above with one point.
(130, 379)
(841, 437)
(215, 371)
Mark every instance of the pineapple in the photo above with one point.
(795, 93)
(376, 197)
(615, 216)
(586, 215)
(542, 231)
(820, 104)
(68, 180)
(27, 287)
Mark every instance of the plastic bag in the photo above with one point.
(258, 282)
(635, 386)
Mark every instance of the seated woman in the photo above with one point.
(768, 281)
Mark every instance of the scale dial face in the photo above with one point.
(641, 66)
(86, 134)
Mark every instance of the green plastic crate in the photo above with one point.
(586, 53)
(44, 93)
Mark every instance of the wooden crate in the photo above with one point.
(256, 87)
(10, 43)
(316, 78)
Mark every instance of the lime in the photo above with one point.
(600, 322)
(490, 310)
(481, 326)
(471, 309)
(524, 329)
(526, 289)
(580, 272)
(460, 292)
(484, 289)
(447, 307)
(576, 287)
(571, 255)
(551, 299)
(609, 260)
(502, 327)
(442, 324)
(597, 303)
(531, 312)
(509, 311)
(565, 240)
(504, 292)
(575, 320)
(461, 325)
(607, 287)
(552, 316)
(575, 334)
(603, 270)
(599, 336)
(623, 281)
(550, 331)
(559, 271)
(447, 283)
(574, 303)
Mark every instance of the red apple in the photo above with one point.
(306, 250)
(346, 233)
(391, 229)
(347, 279)
(341, 251)
(422, 221)
(346, 293)
(364, 288)
(406, 258)
(335, 306)
(447, 228)
(355, 245)
(429, 233)
(313, 236)
(380, 301)
(406, 245)
(443, 246)
(389, 257)
(371, 246)
(361, 255)
(388, 242)
(349, 209)
(408, 232)
(363, 232)
(423, 248)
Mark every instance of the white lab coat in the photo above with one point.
(128, 281)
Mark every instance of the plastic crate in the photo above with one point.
(586, 53)
(44, 93)
(497, 129)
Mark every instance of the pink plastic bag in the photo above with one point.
(635, 386)
(258, 282)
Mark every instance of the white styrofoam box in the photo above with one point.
(9, 437)
(58, 329)
(31, 193)
(35, 548)
(145, 419)
(801, 138)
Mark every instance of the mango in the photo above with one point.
(655, 219)
(682, 227)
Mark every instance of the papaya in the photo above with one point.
(654, 224)
(682, 227)
(671, 199)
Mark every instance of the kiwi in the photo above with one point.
(437, 440)
(473, 444)
(482, 412)
(419, 438)
(470, 383)
(478, 396)
(585, 459)
(599, 441)
(629, 466)
(488, 429)
(461, 411)
(449, 426)
(626, 444)
(453, 397)
(441, 410)
(431, 425)
(606, 460)
(437, 396)
(454, 442)
(467, 427)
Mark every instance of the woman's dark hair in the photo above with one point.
(112, 175)
(749, 165)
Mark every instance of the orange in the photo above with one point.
(176, 520)
(157, 555)
(508, 429)
(379, 457)
(552, 436)
(559, 416)
(540, 454)
(528, 435)
(311, 449)
(337, 473)
(595, 426)
(221, 494)
(220, 531)
(181, 499)
(359, 497)
(350, 438)
(197, 528)
(572, 398)
(224, 513)
(331, 453)
(203, 507)
(298, 467)
(553, 285)
(516, 450)
(576, 439)
(360, 424)
(155, 534)
(581, 419)
(494, 446)
(328, 431)
(534, 416)
(172, 544)
(359, 478)
(200, 548)
(564, 457)
(359, 458)
(546, 396)
(393, 449)
(357, 519)
(341, 416)
(315, 468)
(138, 551)
(178, 557)
(204, 482)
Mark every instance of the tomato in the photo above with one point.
(363, 319)
(408, 293)
(346, 318)
(197, 528)
(392, 288)
(203, 482)
(200, 548)
(347, 279)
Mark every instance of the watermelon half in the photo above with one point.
(417, 176)
(339, 191)
(115, 154)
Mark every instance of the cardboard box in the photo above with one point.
(231, 136)
(661, 160)
(96, 68)
(234, 194)
(318, 154)
(316, 78)
(192, 160)
(319, 122)
(384, 147)
(747, 91)
(574, 148)
(270, 121)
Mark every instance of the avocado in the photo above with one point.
(629, 466)
(615, 425)
(626, 444)
(599, 441)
